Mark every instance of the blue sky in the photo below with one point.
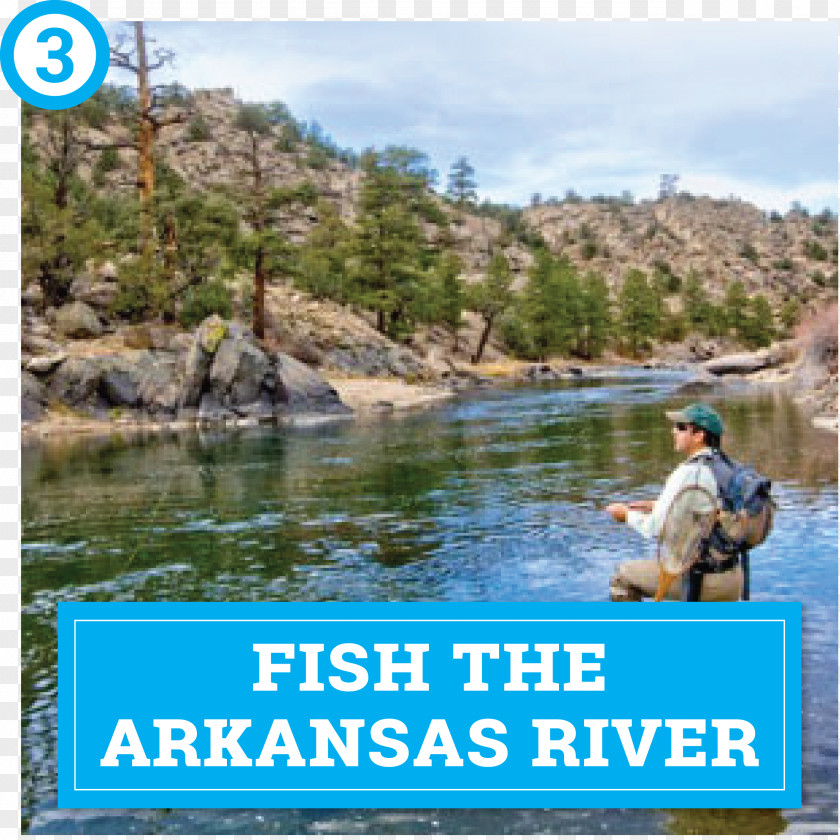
(745, 109)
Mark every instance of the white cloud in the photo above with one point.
(548, 106)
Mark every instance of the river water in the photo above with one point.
(495, 497)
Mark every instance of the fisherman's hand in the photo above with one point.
(618, 511)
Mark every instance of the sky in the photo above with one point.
(735, 109)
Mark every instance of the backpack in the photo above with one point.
(747, 508)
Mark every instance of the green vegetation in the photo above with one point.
(393, 257)
(462, 183)
(491, 297)
(814, 250)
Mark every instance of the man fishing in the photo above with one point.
(697, 431)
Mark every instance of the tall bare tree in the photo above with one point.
(135, 59)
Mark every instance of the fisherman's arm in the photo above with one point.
(649, 524)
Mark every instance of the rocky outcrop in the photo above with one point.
(224, 377)
(745, 363)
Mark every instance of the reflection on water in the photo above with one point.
(498, 497)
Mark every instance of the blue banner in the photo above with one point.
(429, 705)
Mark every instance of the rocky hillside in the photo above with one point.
(722, 240)
(793, 256)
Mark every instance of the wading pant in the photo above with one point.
(638, 579)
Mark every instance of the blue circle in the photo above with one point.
(44, 100)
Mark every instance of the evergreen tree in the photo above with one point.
(390, 255)
(322, 260)
(58, 235)
(789, 314)
(491, 297)
(596, 316)
(263, 249)
(735, 304)
(758, 329)
(552, 305)
(695, 302)
(637, 318)
(452, 294)
(462, 183)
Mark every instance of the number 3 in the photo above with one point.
(60, 55)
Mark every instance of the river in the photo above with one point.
(492, 497)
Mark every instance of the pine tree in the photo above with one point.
(637, 317)
(491, 297)
(695, 302)
(552, 305)
(735, 304)
(390, 255)
(322, 260)
(758, 329)
(596, 316)
(462, 185)
(58, 234)
(452, 295)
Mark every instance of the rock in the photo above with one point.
(137, 337)
(238, 372)
(159, 384)
(119, 388)
(699, 384)
(299, 389)
(38, 345)
(77, 320)
(41, 365)
(743, 363)
(76, 381)
(540, 373)
(107, 271)
(32, 295)
(210, 333)
(33, 398)
(196, 368)
(212, 412)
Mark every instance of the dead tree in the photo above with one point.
(135, 60)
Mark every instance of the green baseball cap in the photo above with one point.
(700, 415)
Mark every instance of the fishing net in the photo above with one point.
(688, 522)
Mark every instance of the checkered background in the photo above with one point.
(116, 10)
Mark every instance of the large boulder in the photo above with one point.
(238, 372)
(33, 398)
(159, 385)
(77, 320)
(76, 381)
(99, 294)
(744, 363)
(199, 359)
(300, 390)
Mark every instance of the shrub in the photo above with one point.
(819, 278)
(784, 264)
(673, 328)
(749, 252)
(198, 130)
(210, 298)
(814, 250)
(588, 250)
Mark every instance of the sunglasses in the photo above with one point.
(682, 427)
